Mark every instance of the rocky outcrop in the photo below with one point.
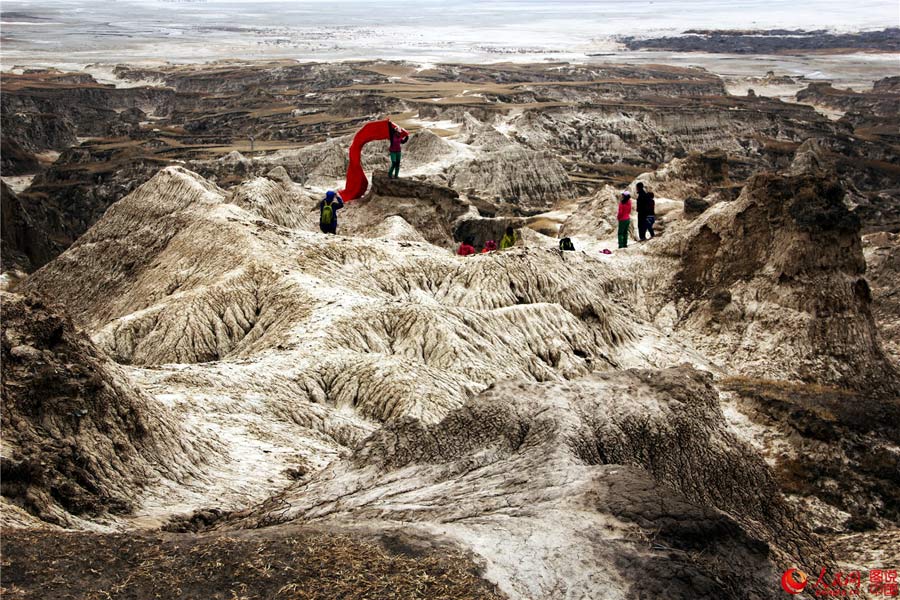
(478, 230)
(375, 382)
(117, 250)
(429, 209)
(882, 252)
(876, 211)
(606, 134)
(425, 152)
(775, 282)
(67, 198)
(240, 77)
(811, 158)
(881, 101)
(22, 243)
(427, 147)
(594, 216)
(696, 175)
(835, 462)
(693, 206)
(38, 132)
(322, 164)
(79, 440)
(598, 140)
(363, 105)
(593, 124)
(530, 181)
(890, 85)
(15, 159)
(41, 108)
(620, 514)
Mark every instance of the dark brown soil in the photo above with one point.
(280, 563)
(842, 441)
(78, 438)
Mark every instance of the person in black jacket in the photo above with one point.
(644, 210)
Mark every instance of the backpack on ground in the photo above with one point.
(327, 216)
(566, 244)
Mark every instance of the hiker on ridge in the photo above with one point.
(328, 208)
(489, 246)
(651, 215)
(623, 215)
(397, 137)
(644, 210)
(509, 239)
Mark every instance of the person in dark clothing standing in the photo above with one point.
(651, 215)
(397, 136)
(328, 208)
(644, 209)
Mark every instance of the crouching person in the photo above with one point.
(466, 248)
(509, 239)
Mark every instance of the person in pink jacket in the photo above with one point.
(624, 218)
(397, 136)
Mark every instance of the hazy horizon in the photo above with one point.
(187, 30)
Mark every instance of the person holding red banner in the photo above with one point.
(398, 136)
(357, 183)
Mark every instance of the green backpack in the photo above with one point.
(327, 216)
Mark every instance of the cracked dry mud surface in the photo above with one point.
(204, 390)
(533, 475)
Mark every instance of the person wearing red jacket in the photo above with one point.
(624, 217)
(466, 248)
(397, 136)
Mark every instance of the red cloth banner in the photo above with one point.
(357, 183)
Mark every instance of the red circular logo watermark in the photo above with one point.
(793, 581)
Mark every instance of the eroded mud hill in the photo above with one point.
(620, 513)
(380, 380)
(335, 335)
(80, 440)
(684, 417)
